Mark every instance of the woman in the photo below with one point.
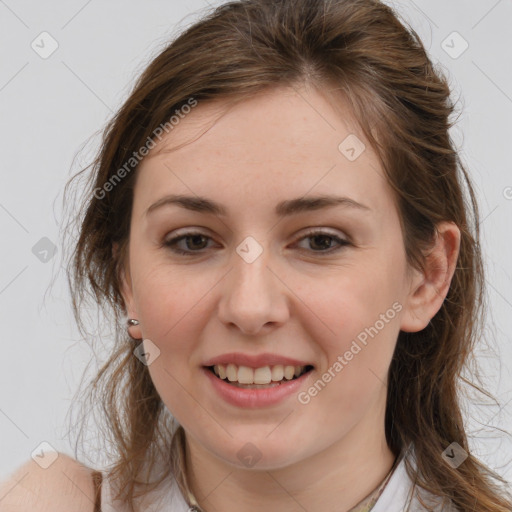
(306, 355)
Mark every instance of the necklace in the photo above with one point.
(366, 505)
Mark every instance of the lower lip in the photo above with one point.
(253, 398)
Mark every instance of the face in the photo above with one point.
(273, 278)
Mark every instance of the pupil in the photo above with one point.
(325, 238)
(195, 239)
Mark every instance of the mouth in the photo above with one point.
(258, 378)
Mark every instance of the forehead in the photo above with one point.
(279, 144)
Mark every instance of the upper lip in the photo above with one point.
(255, 361)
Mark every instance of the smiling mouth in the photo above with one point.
(258, 378)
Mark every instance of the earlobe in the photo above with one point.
(125, 285)
(429, 288)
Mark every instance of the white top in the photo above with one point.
(394, 498)
(397, 493)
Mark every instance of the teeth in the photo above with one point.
(245, 375)
(263, 375)
(289, 372)
(278, 372)
(231, 372)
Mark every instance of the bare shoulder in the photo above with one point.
(66, 485)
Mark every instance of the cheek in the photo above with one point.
(167, 299)
(172, 320)
(357, 335)
(170, 310)
(347, 307)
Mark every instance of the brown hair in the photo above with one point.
(358, 50)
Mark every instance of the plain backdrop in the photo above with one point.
(51, 105)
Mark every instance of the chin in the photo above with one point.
(258, 452)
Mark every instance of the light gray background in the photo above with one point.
(50, 107)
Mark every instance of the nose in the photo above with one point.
(254, 296)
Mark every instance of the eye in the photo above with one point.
(196, 238)
(322, 239)
(195, 242)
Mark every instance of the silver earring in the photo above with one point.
(132, 322)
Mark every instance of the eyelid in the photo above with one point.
(177, 237)
(324, 231)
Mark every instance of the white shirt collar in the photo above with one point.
(396, 496)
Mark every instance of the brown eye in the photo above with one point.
(194, 242)
(321, 242)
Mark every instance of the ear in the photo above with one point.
(428, 289)
(126, 289)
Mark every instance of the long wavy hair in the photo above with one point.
(356, 49)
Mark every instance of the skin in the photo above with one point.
(301, 297)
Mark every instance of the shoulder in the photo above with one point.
(66, 485)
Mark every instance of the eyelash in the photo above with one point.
(173, 241)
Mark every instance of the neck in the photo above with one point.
(337, 478)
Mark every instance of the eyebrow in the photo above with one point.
(283, 209)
